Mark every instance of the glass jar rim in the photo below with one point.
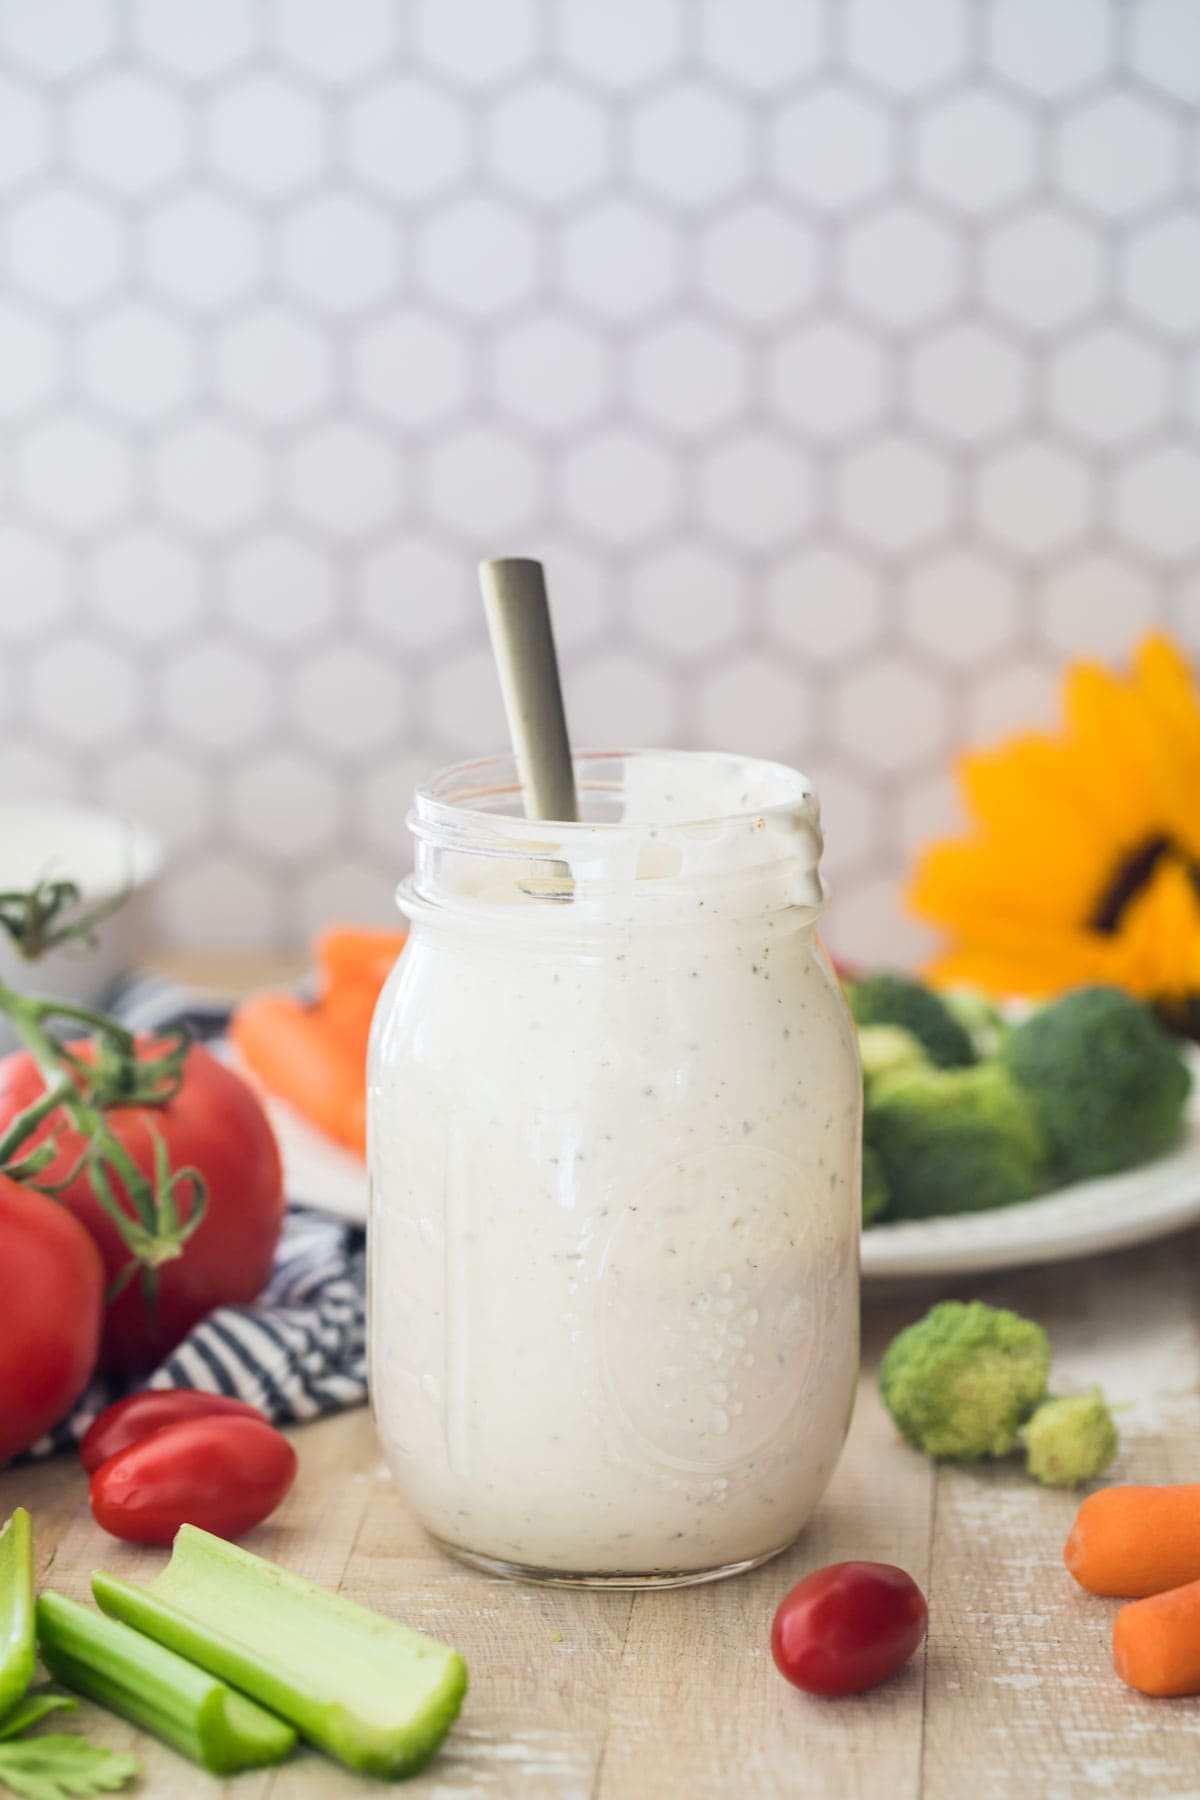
(442, 806)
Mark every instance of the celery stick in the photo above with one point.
(134, 1676)
(16, 1609)
(373, 1693)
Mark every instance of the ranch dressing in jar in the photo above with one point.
(614, 1148)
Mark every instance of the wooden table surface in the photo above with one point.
(654, 1697)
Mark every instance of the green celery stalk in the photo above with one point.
(16, 1609)
(373, 1693)
(134, 1676)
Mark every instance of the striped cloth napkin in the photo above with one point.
(300, 1350)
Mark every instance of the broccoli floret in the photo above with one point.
(954, 1140)
(884, 1048)
(1071, 1439)
(980, 1018)
(961, 1382)
(1107, 1081)
(875, 1194)
(899, 1000)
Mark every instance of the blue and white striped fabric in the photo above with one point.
(300, 1350)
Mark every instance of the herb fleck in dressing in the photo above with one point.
(614, 1151)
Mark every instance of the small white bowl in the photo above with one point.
(103, 853)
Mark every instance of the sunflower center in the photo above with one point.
(1131, 875)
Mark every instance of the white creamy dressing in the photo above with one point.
(614, 1143)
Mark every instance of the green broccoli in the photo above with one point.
(954, 1140)
(899, 1000)
(980, 1018)
(1107, 1081)
(884, 1048)
(875, 1196)
(961, 1382)
(1070, 1440)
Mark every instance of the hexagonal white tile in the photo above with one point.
(1021, 694)
(218, 902)
(162, 789)
(34, 567)
(346, 698)
(74, 472)
(279, 589)
(1117, 154)
(198, 41)
(338, 253)
(479, 256)
(407, 138)
(849, 820)
(832, 147)
(618, 488)
(1033, 498)
(217, 695)
(619, 699)
(1162, 46)
(418, 593)
(126, 132)
(975, 151)
(894, 495)
(82, 691)
(687, 601)
(758, 263)
(551, 373)
(201, 251)
(466, 715)
(1041, 269)
(24, 142)
(63, 247)
(961, 609)
(1155, 500)
(756, 490)
(55, 37)
(764, 46)
(483, 483)
(619, 260)
(474, 44)
(900, 267)
(1107, 384)
(890, 716)
(344, 479)
(690, 146)
(137, 363)
(967, 383)
(823, 604)
(549, 141)
(1098, 607)
(871, 927)
(1049, 50)
(1161, 273)
(270, 364)
(266, 135)
(334, 44)
(907, 50)
(688, 376)
(619, 45)
(32, 364)
(755, 703)
(284, 804)
(828, 379)
(411, 367)
(146, 585)
(209, 476)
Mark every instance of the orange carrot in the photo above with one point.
(357, 953)
(1132, 1541)
(345, 1012)
(298, 1059)
(1156, 1642)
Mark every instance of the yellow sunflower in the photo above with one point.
(1084, 861)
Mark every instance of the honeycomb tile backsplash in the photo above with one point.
(841, 358)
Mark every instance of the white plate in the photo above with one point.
(1153, 1201)
(1131, 1208)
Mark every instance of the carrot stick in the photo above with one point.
(293, 1055)
(1156, 1642)
(345, 1013)
(1132, 1541)
(357, 953)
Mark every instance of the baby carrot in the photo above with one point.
(1133, 1541)
(288, 1048)
(1156, 1642)
(357, 953)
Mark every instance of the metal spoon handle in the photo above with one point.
(518, 616)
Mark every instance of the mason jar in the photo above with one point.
(614, 1148)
